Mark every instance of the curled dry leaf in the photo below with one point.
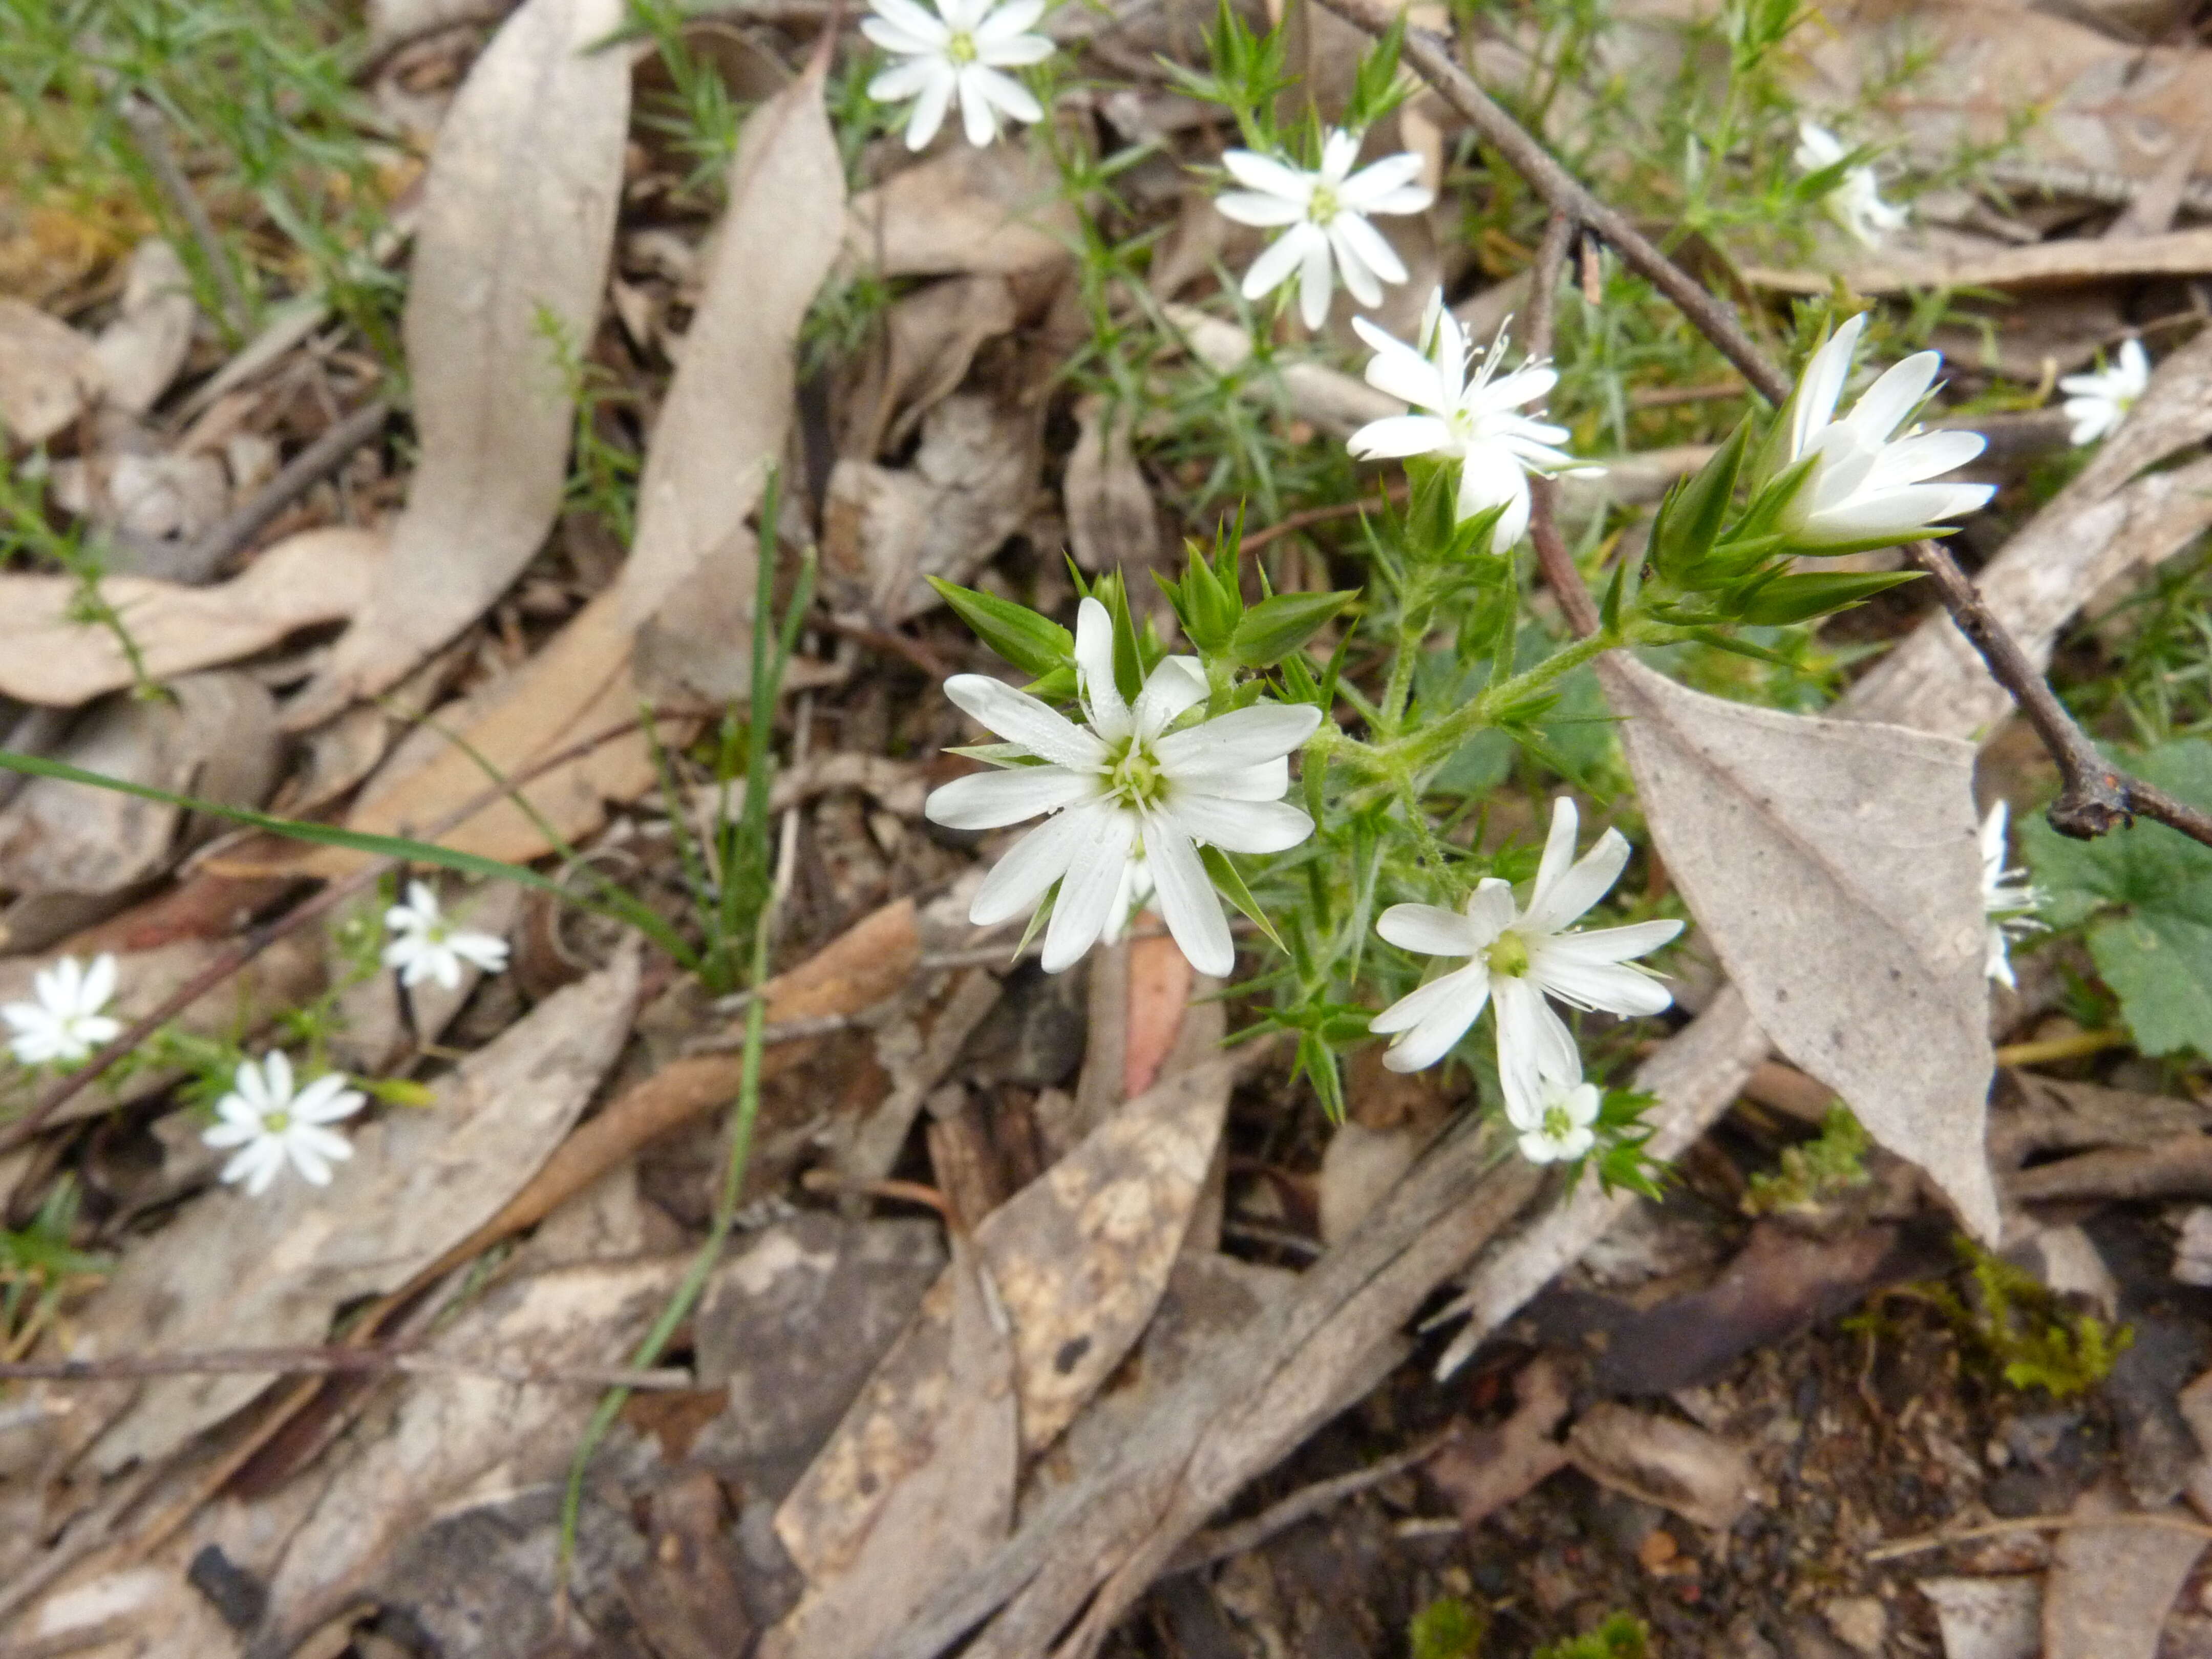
(1080, 1257)
(930, 337)
(2110, 1587)
(1663, 1461)
(240, 1271)
(963, 212)
(214, 735)
(1835, 866)
(49, 656)
(517, 225)
(47, 374)
(886, 528)
(138, 354)
(1483, 1470)
(728, 409)
(946, 1508)
(1111, 520)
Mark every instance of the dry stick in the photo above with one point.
(149, 131)
(1219, 1543)
(257, 939)
(1936, 1540)
(1290, 523)
(224, 541)
(2095, 798)
(1560, 573)
(326, 1361)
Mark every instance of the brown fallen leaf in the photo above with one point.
(49, 656)
(930, 337)
(1080, 1257)
(271, 1270)
(949, 1502)
(2110, 1587)
(1834, 865)
(138, 354)
(1663, 1461)
(47, 374)
(516, 227)
(1111, 520)
(215, 735)
(969, 487)
(2041, 265)
(687, 1598)
(1481, 1471)
(728, 409)
(1987, 1617)
(962, 212)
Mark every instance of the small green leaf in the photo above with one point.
(1034, 644)
(1271, 629)
(1796, 598)
(1230, 882)
(1692, 516)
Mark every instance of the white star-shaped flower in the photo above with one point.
(963, 47)
(268, 1122)
(1856, 203)
(1121, 787)
(1515, 959)
(1866, 486)
(1469, 419)
(1327, 211)
(2101, 399)
(1561, 1127)
(65, 1024)
(428, 946)
(2008, 900)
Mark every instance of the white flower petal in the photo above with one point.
(1894, 396)
(1589, 880)
(1013, 18)
(978, 121)
(1379, 181)
(1616, 988)
(1243, 738)
(1490, 910)
(1315, 280)
(99, 984)
(1279, 259)
(1032, 865)
(1440, 1018)
(1268, 176)
(1614, 944)
(1019, 718)
(1264, 781)
(1250, 207)
(1002, 91)
(1358, 277)
(913, 20)
(895, 85)
(1085, 903)
(1239, 826)
(1185, 897)
(327, 1099)
(990, 800)
(1094, 672)
(930, 104)
(1430, 930)
(1369, 244)
(1396, 436)
(1175, 687)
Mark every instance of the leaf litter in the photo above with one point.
(1092, 1379)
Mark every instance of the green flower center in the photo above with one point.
(1135, 779)
(1557, 1126)
(961, 48)
(1509, 955)
(276, 1122)
(1323, 205)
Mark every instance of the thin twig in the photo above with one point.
(150, 132)
(224, 541)
(1219, 1543)
(326, 1361)
(889, 641)
(1560, 573)
(1936, 1540)
(2095, 797)
(255, 940)
(1290, 523)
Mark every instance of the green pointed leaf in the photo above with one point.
(1796, 598)
(1230, 883)
(1696, 510)
(1271, 629)
(1034, 644)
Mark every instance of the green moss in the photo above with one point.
(2025, 1333)
(1829, 1164)
(1623, 1636)
(1448, 1628)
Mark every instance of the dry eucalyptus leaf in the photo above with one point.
(517, 226)
(2040, 265)
(213, 735)
(1663, 1461)
(1111, 520)
(235, 1271)
(459, 1440)
(728, 409)
(139, 352)
(47, 372)
(1835, 866)
(946, 1511)
(2110, 1587)
(964, 211)
(1080, 1257)
(969, 488)
(49, 656)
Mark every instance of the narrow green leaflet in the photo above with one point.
(2146, 893)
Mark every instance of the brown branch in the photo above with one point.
(322, 1361)
(149, 133)
(1560, 573)
(199, 562)
(257, 939)
(2095, 797)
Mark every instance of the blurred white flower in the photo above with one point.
(1867, 487)
(1327, 211)
(2101, 399)
(1856, 203)
(271, 1122)
(428, 947)
(1121, 787)
(1517, 958)
(961, 47)
(65, 1024)
(1470, 420)
(1561, 1127)
(2008, 900)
